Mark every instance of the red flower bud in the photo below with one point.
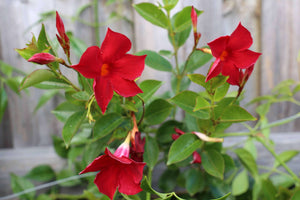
(194, 19)
(42, 58)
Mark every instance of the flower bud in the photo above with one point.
(42, 58)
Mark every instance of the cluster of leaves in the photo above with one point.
(210, 111)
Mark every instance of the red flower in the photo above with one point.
(116, 172)
(232, 53)
(240, 76)
(194, 19)
(137, 148)
(111, 68)
(42, 58)
(62, 38)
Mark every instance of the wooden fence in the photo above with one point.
(25, 135)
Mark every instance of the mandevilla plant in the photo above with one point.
(115, 127)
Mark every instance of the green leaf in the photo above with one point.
(221, 92)
(183, 147)
(149, 87)
(213, 163)
(41, 173)
(170, 4)
(223, 197)
(296, 196)
(53, 84)
(36, 77)
(183, 19)
(44, 197)
(197, 60)
(167, 181)
(64, 110)
(72, 125)
(194, 181)
(45, 98)
(156, 61)
(106, 124)
(235, 113)
(165, 131)
(59, 146)
(78, 46)
(183, 84)
(201, 103)
(14, 84)
(66, 173)
(157, 111)
(81, 96)
(286, 156)
(240, 183)
(152, 13)
(198, 79)
(19, 184)
(3, 102)
(151, 152)
(30, 50)
(248, 161)
(145, 185)
(187, 101)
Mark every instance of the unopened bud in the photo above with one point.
(42, 58)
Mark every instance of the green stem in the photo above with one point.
(97, 31)
(66, 80)
(148, 195)
(294, 176)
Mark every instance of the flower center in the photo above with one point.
(224, 54)
(104, 70)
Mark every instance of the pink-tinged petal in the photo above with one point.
(196, 157)
(129, 66)
(122, 150)
(114, 46)
(218, 45)
(103, 92)
(107, 180)
(90, 63)
(42, 58)
(215, 69)
(244, 59)
(60, 25)
(125, 88)
(240, 39)
(175, 136)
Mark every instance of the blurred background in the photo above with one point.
(26, 134)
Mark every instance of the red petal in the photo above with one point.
(244, 59)
(125, 88)
(60, 25)
(107, 180)
(114, 46)
(90, 63)
(42, 58)
(196, 157)
(194, 18)
(233, 72)
(240, 39)
(215, 70)
(129, 66)
(103, 92)
(218, 46)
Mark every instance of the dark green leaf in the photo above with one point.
(197, 60)
(41, 173)
(151, 152)
(72, 125)
(59, 146)
(248, 161)
(183, 147)
(152, 13)
(180, 37)
(107, 124)
(81, 96)
(213, 163)
(296, 196)
(36, 77)
(240, 183)
(235, 113)
(167, 181)
(156, 61)
(195, 181)
(19, 184)
(157, 111)
(223, 197)
(165, 131)
(187, 101)
(145, 185)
